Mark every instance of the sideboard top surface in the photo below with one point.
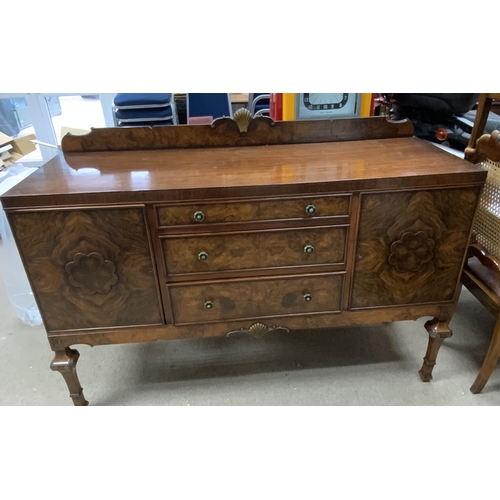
(363, 164)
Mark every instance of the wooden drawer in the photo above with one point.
(256, 298)
(254, 250)
(265, 210)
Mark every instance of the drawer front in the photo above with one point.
(256, 298)
(256, 250)
(215, 213)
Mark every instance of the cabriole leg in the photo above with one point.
(438, 331)
(65, 363)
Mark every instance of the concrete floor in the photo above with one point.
(369, 365)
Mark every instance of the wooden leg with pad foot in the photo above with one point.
(438, 331)
(65, 363)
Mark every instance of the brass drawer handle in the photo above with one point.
(310, 209)
(307, 297)
(203, 256)
(209, 304)
(199, 216)
(309, 249)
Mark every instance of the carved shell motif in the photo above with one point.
(242, 117)
(92, 273)
(258, 330)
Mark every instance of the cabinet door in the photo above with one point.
(89, 268)
(410, 246)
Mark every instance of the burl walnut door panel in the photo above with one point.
(411, 246)
(256, 298)
(89, 268)
(256, 250)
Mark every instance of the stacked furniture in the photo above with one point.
(259, 104)
(144, 110)
(205, 108)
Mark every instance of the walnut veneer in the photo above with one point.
(139, 234)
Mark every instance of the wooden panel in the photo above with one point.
(225, 132)
(175, 175)
(214, 213)
(256, 298)
(411, 246)
(254, 250)
(306, 321)
(89, 268)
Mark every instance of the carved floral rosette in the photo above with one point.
(412, 251)
(92, 273)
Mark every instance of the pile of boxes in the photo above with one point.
(12, 150)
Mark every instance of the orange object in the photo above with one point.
(441, 134)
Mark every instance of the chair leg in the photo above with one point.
(489, 362)
(483, 109)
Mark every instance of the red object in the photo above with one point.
(200, 120)
(276, 107)
(441, 134)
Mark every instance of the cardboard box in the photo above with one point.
(19, 147)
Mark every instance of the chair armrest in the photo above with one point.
(487, 260)
(488, 146)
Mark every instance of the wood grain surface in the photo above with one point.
(89, 295)
(256, 298)
(225, 132)
(308, 321)
(411, 246)
(216, 213)
(201, 174)
(254, 250)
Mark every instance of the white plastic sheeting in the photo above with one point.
(15, 280)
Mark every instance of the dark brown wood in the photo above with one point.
(481, 273)
(225, 132)
(411, 246)
(490, 361)
(115, 255)
(438, 331)
(89, 268)
(273, 210)
(477, 286)
(159, 262)
(485, 258)
(64, 362)
(483, 109)
(59, 340)
(256, 298)
(234, 173)
(351, 244)
(482, 290)
(254, 250)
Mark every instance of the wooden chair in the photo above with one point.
(481, 274)
(483, 109)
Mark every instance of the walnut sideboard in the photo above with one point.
(242, 226)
